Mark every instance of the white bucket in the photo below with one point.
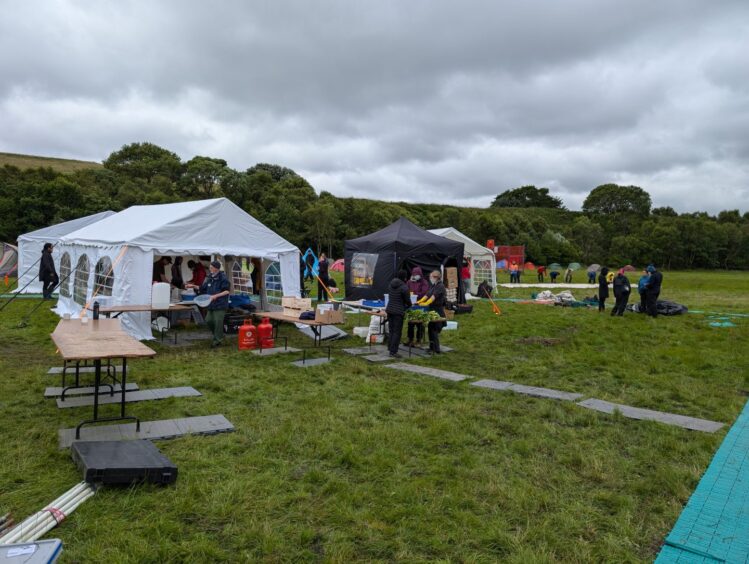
(160, 295)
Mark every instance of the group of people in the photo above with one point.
(431, 294)
(649, 288)
(214, 283)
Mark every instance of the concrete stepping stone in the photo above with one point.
(55, 391)
(380, 357)
(164, 429)
(138, 395)
(366, 350)
(492, 384)
(683, 421)
(275, 350)
(311, 362)
(428, 371)
(544, 392)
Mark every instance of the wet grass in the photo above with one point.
(351, 461)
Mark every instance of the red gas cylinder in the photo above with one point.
(247, 336)
(265, 333)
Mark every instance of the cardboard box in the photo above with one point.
(293, 307)
(451, 277)
(329, 313)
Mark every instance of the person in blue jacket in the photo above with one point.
(642, 284)
(216, 284)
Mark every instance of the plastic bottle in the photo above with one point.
(96, 310)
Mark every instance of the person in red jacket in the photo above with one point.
(419, 287)
(198, 272)
(541, 270)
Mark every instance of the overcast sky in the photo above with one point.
(430, 101)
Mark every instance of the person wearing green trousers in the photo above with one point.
(216, 285)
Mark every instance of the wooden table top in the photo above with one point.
(281, 317)
(137, 308)
(102, 338)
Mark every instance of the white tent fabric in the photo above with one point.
(30, 248)
(482, 262)
(133, 238)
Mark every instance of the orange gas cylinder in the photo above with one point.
(247, 336)
(265, 333)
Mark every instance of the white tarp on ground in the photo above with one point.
(482, 261)
(30, 247)
(133, 238)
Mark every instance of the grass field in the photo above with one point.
(352, 461)
(60, 165)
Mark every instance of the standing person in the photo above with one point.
(177, 280)
(514, 272)
(622, 289)
(399, 300)
(465, 275)
(309, 270)
(653, 290)
(603, 289)
(159, 269)
(541, 270)
(419, 287)
(553, 275)
(198, 274)
(642, 286)
(215, 285)
(47, 273)
(591, 277)
(323, 277)
(436, 298)
(568, 276)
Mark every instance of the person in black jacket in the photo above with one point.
(653, 290)
(603, 289)
(323, 277)
(622, 289)
(436, 298)
(399, 300)
(47, 273)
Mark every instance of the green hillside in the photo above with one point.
(59, 165)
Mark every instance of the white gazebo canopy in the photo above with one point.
(481, 260)
(30, 247)
(131, 240)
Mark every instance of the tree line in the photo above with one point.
(616, 226)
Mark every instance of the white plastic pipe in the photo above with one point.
(49, 522)
(42, 521)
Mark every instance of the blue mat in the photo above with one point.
(714, 525)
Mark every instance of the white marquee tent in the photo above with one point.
(30, 249)
(114, 257)
(482, 261)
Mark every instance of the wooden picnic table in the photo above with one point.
(277, 318)
(118, 310)
(96, 340)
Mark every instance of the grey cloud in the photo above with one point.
(422, 101)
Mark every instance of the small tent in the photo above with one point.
(372, 261)
(481, 260)
(8, 259)
(30, 247)
(113, 258)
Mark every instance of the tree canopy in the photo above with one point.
(527, 197)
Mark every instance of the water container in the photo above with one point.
(160, 295)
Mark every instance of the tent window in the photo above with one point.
(482, 271)
(273, 288)
(80, 284)
(241, 281)
(103, 277)
(65, 275)
(362, 269)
